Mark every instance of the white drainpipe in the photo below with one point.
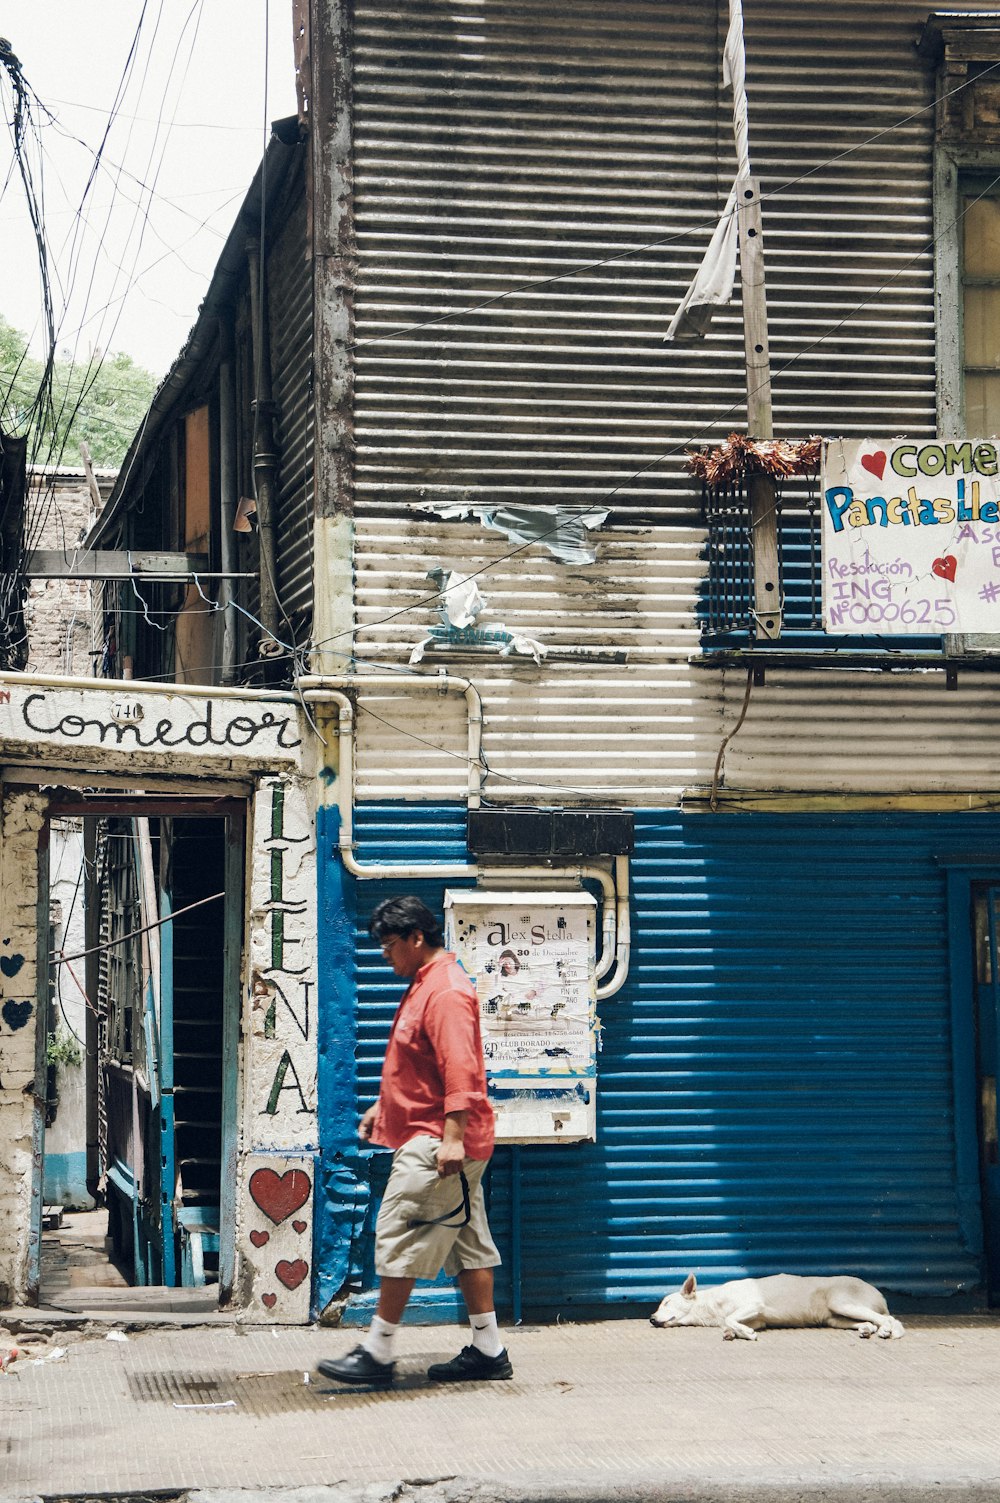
(615, 941)
(615, 928)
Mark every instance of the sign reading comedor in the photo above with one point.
(911, 536)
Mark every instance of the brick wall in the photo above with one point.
(57, 612)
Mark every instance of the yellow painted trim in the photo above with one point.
(782, 802)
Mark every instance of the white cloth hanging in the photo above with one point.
(714, 281)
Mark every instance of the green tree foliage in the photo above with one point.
(100, 402)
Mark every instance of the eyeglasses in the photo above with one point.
(387, 944)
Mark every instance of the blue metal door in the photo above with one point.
(987, 929)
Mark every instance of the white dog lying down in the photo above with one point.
(745, 1306)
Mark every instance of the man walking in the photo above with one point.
(432, 1110)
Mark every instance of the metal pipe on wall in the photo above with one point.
(228, 497)
(265, 455)
(615, 944)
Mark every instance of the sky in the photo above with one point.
(179, 88)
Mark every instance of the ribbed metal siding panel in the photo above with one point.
(865, 732)
(847, 225)
(291, 314)
(775, 1088)
(493, 149)
(500, 148)
(642, 730)
(497, 147)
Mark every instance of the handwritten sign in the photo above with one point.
(911, 537)
(154, 724)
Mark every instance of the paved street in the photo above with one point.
(596, 1411)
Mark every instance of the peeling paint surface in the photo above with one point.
(21, 820)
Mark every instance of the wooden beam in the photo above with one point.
(92, 485)
(68, 563)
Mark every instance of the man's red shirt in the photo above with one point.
(434, 1062)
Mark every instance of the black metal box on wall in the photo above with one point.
(553, 834)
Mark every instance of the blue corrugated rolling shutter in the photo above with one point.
(775, 1090)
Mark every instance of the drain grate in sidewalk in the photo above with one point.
(258, 1394)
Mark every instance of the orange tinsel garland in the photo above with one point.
(740, 456)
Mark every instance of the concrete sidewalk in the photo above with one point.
(607, 1410)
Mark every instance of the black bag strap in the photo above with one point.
(465, 1207)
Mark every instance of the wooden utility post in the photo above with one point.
(760, 424)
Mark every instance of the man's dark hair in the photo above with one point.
(404, 916)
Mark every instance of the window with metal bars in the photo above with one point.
(728, 606)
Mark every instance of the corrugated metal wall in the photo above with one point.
(775, 1085)
(501, 146)
(850, 732)
(290, 307)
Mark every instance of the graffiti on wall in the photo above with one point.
(280, 1083)
(279, 1237)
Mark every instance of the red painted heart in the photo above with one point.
(279, 1195)
(291, 1274)
(945, 567)
(259, 1238)
(875, 463)
(299, 1226)
(270, 1300)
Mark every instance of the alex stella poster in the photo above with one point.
(911, 537)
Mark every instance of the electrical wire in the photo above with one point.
(639, 250)
(720, 759)
(58, 958)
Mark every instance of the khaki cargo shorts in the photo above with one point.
(416, 1192)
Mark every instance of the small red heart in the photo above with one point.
(259, 1238)
(875, 463)
(291, 1274)
(945, 567)
(299, 1226)
(270, 1300)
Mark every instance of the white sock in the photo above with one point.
(485, 1336)
(381, 1338)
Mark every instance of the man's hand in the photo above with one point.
(450, 1158)
(367, 1123)
(451, 1154)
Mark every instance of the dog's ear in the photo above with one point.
(689, 1286)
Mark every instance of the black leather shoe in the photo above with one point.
(358, 1366)
(471, 1366)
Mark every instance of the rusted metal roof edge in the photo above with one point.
(282, 149)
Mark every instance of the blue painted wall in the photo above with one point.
(66, 1180)
(775, 1088)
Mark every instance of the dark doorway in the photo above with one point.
(164, 905)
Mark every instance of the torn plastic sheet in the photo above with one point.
(461, 602)
(479, 636)
(460, 607)
(561, 531)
